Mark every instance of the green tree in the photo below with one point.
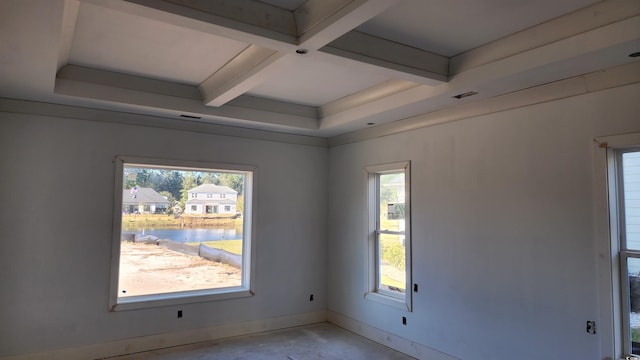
(210, 178)
(190, 180)
(137, 176)
(170, 181)
(234, 181)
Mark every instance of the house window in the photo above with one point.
(222, 196)
(186, 258)
(626, 184)
(193, 195)
(227, 208)
(209, 196)
(390, 234)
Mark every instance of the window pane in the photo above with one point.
(631, 183)
(182, 230)
(392, 274)
(633, 268)
(392, 202)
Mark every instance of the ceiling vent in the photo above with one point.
(464, 95)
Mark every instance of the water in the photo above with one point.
(191, 235)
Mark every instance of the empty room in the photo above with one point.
(313, 179)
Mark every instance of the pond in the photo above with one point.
(190, 234)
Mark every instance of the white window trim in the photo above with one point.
(610, 325)
(248, 253)
(373, 208)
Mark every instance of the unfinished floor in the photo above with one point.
(318, 341)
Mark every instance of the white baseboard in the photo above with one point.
(387, 339)
(153, 342)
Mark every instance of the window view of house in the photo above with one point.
(182, 230)
(212, 199)
(390, 241)
(630, 245)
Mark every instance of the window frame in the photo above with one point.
(385, 296)
(619, 237)
(611, 278)
(194, 296)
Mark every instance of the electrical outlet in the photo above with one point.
(591, 327)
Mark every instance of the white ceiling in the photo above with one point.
(462, 25)
(113, 40)
(363, 61)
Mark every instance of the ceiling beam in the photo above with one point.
(318, 23)
(601, 47)
(396, 60)
(248, 21)
(69, 17)
(312, 26)
(244, 72)
(172, 99)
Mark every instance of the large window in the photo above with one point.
(627, 181)
(389, 234)
(173, 246)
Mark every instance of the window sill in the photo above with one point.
(180, 298)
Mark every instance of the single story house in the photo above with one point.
(144, 201)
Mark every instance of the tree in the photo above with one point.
(234, 181)
(171, 182)
(210, 178)
(137, 176)
(189, 181)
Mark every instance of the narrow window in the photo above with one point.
(390, 234)
(627, 165)
(172, 257)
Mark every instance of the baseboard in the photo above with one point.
(153, 342)
(395, 342)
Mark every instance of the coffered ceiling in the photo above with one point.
(315, 67)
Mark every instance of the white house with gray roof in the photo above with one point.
(144, 201)
(211, 199)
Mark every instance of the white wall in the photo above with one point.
(503, 218)
(56, 197)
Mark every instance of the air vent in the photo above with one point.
(464, 95)
(190, 116)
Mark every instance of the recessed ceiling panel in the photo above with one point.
(112, 40)
(451, 27)
(307, 81)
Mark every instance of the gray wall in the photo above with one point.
(56, 196)
(503, 229)
(504, 246)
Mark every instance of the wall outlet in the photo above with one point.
(591, 327)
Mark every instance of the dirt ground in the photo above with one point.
(151, 269)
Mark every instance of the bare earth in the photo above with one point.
(151, 269)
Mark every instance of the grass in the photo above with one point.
(135, 221)
(232, 246)
(392, 282)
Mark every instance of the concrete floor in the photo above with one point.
(318, 341)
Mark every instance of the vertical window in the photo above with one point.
(628, 183)
(165, 259)
(390, 234)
